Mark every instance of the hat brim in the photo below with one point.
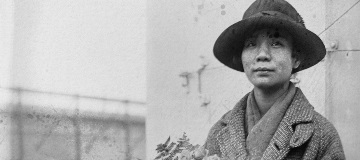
(229, 45)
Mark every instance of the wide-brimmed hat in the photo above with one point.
(269, 14)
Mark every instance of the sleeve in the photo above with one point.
(331, 147)
(211, 143)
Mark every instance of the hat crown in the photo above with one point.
(280, 6)
(269, 14)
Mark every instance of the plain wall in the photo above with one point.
(88, 47)
(343, 73)
(6, 53)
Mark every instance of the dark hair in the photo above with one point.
(296, 53)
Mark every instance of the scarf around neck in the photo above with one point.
(260, 130)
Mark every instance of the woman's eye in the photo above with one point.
(249, 44)
(276, 44)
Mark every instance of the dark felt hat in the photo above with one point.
(269, 14)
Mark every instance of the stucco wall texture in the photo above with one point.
(180, 39)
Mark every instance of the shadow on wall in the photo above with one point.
(47, 132)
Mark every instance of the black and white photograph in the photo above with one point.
(179, 79)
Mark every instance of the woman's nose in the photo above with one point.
(263, 53)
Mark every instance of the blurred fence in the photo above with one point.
(50, 125)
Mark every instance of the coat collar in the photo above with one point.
(294, 130)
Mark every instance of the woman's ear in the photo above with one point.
(296, 59)
(296, 64)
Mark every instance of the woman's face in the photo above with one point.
(267, 59)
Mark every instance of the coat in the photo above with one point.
(302, 134)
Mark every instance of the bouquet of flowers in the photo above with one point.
(183, 150)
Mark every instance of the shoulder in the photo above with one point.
(219, 125)
(225, 119)
(329, 140)
(211, 143)
(324, 127)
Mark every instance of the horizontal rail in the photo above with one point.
(125, 101)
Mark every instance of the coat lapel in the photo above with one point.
(294, 130)
(232, 137)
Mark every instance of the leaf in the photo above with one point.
(184, 138)
(173, 150)
(167, 141)
(162, 147)
(159, 155)
(170, 147)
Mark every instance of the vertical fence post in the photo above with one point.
(127, 132)
(77, 129)
(19, 122)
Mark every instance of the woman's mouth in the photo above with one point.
(263, 69)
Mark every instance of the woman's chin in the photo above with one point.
(263, 85)
(266, 83)
(262, 82)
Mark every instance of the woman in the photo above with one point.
(274, 120)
